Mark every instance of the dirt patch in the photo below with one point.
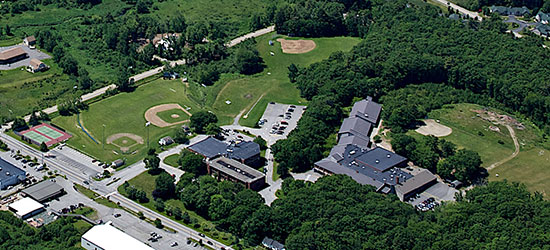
(124, 148)
(431, 127)
(248, 96)
(296, 46)
(151, 115)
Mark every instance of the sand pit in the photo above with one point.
(151, 115)
(296, 46)
(434, 128)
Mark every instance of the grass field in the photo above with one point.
(124, 113)
(167, 115)
(270, 85)
(146, 182)
(531, 166)
(172, 160)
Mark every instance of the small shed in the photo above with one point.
(456, 184)
(30, 41)
(165, 141)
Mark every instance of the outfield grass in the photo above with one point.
(124, 113)
(172, 160)
(146, 182)
(273, 83)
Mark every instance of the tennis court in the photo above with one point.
(44, 133)
(49, 132)
(37, 137)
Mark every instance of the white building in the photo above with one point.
(26, 208)
(107, 237)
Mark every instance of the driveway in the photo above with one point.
(33, 53)
(522, 24)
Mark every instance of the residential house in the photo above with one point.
(165, 141)
(30, 42)
(542, 17)
(36, 65)
(510, 11)
(272, 244)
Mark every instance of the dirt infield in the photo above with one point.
(124, 148)
(296, 46)
(434, 128)
(151, 115)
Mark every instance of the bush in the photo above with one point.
(158, 223)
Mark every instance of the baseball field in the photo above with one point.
(117, 123)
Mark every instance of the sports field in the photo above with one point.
(124, 118)
(273, 83)
(531, 166)
(45, 133)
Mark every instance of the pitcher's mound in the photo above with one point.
(175, 116)
(434, 128)
(296, 46)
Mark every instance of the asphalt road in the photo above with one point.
(462, 10)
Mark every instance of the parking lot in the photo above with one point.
(74, 159)
(32, 173)
(440, 192)
(279, 119)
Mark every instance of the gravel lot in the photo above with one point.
(33, 53)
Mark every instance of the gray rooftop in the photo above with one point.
(336, 168)
(353, 139)
(380, 159)
(209, 147)
(243, 150)
(543, 16)
(366, 109)
(416, 182)
(356, 126)
(43, 190)
(272, 244)
(236, 169)
(8, 168)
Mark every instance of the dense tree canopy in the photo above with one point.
(200, 120)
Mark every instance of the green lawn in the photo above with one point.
(87, 211)
(466, 128)
(273, 83)
(146, 182)
(172, 160)
(124, 113)
(94, 196)
(531, 166)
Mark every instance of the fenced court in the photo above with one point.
(44, 133)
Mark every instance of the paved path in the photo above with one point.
(516, 151)
(250, 35)
(462, 10)
(522, 25)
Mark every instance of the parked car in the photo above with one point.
(201, 234)
(292, 106)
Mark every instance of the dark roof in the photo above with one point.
(353, 139)
(416, 182)
(356, 126)
(212, 147)
(381, 159)
(335, 168)
(273, 244)
(243, 150)
(43, 190)
(209, 147)
(6, 167)
(11, 53)
(366, 109)
(31, 39)
(236, 169)
(543, 16)
(517, 11)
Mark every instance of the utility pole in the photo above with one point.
(103, 138)
(147, 126)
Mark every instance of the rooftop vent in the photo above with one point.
(377, 161)
(0, 169)
(367, 115)
(388, 155)
(352, 152)
(8, 173)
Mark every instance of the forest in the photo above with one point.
(17, 235)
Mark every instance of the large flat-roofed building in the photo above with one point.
(223, 168)
(377, 167)
(414, 185)
(246, 152)
(9, 174)
(26, 207)
(12, 55)
(107, 237)
(44, 191)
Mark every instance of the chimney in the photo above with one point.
(397, 180)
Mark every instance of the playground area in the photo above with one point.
(44, 133)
